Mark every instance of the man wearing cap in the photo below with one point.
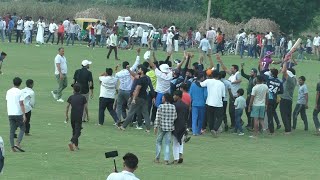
(252, 78)
(61, 69)
(289, 85)
(84, 77)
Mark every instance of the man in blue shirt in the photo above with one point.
(10, 28)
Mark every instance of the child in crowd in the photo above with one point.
(240, 104)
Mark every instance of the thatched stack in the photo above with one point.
(230, 30)
(91, 13)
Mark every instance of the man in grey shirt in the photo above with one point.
(72, 32)
(286, 98)
(302, 104)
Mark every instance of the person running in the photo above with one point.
(302, 104)
(77, 103)
(61, 69)
(258, 104)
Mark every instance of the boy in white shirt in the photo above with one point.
(29, 102)
(240, 104)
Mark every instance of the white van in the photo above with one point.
(145, 26)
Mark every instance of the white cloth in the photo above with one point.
(177, 148)
(205, 45)
(163, 81)
(176, 45)
(66, 25)
(316, 41)
(27, 26)
(113, 39)
(216, 92)
(308, 43)
(31, 24)
(63, 64)
(259, 91)
(14, 97)
(124, 76)
(198, 36)
(169, 38)
(289, 45)
(139, 31)
(124, 175)
(211, 34)
(40, 33)
(235, 87)
(53, 27)
(108, 86)
(20, 24)
(28, 96)
(144, 39)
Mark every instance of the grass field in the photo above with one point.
(228, 157)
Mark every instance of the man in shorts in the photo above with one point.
(258, 104)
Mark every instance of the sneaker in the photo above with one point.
(139, 127)
(241, 134)
(54, 95)
(60, 100)
(115, 124)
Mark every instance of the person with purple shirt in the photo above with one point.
(266, 61)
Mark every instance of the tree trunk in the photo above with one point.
(208, 14)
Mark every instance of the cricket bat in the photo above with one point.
(293, 49)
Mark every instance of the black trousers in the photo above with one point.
(76, 131)
(248, 114)
(28, 117)
(272, 105)
(286, 113)
(232, 111)
(115, 51)
(214, 117)
(106, 103)
(60, 38)
(225, 120)
(19, 36)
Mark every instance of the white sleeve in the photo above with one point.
(136, 63)
(204, 83)
(57, 60)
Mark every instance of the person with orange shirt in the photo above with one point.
(60, 33)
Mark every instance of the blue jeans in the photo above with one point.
(71, 36)
(198, 113)
(159, 99)
(241, 50)
(238, 114)
(167, 141)
(28, 35)
(103, 41)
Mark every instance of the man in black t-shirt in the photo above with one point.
(78, 103)
(139, 103)
(317, 110)
(84, 78)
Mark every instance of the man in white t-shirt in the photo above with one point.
(16, 113)
(31, 28)
(214, 103)
(107, 95)
(27, 30)
(235, 79)
(130, 165)
(29, 103)
(139, 33)
(61, 69)
(316, 44)
(258, 103)
(19, 30)
(52, 29)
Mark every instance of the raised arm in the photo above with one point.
(151, 61)
(222, 65)
(243, 74)
(133, 74)
(137, 62)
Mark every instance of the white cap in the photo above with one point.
(86, 62)
(164, 68)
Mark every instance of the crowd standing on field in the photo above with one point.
(175, 98)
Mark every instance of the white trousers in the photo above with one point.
(177, 148)
(176, 45)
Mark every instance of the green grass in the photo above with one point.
(227, 157)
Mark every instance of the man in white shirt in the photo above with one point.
(214, 104)
(150, 38)
(31, 28)
(2, 29)
(98, 32)
(113, 41)
(139, 33)
(72, 32)
(61, 69)
(107, 95)
(125, 82)
(19, 29)
(16, 112)
(309, 45)
(130, 165)
(198, 36)
(52, 29)
(204, 46)
(211, 36)
(27, 32)
(66, 25)
(316, 44)
(169, 42)
(235, 79)
(29, 103)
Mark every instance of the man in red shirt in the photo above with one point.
(60, 33)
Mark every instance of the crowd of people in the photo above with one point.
(176, 99)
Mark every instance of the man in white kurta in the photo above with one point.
(40, 34)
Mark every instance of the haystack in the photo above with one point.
(91, 13)
(262, 25)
